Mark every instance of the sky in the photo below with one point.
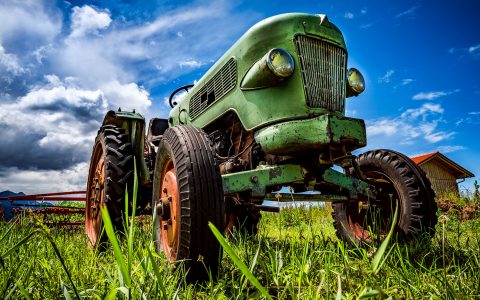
(64, 64)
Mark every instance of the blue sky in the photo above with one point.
(63, 64)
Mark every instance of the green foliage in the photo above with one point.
(295, 256)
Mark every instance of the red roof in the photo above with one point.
(421, 158)
(459, 171)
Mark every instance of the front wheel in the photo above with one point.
(400, 185)
(187, 194)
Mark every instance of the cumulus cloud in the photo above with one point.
(28, 19)
(348, 15)
(433, 95)
(386, 78)
(52, 127)
(86, 20)
(80, 63)
(35, 181)
(9, 63)
(414, 125)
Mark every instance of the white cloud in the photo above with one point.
(474, 113)
(450, 148)
(408, 13)
(386, 78)
(95, 65)
(364, 11)
(348, 15)
(433, 95)
(191, 63)
(45, 181)
(438, 136)
(127, 96)
(9, 62)
(28, 18)
(415, 125)
(407, 81)
(86, 20)
(473, 49)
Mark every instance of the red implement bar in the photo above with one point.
(48, 197)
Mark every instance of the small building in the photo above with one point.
(442, 172)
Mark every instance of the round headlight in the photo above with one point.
(356, 82)
(280, 62)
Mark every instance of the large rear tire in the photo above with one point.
(398, 183)
(111, 170)
(187, 194)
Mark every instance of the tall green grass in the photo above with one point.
(295, 256)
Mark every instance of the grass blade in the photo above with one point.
(18, 245)
(156, 271)
(378, 259)
(238, 261)
(116, 247)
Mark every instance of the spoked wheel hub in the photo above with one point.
(168, 211)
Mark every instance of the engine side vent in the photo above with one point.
(324, 67)
(223, 82)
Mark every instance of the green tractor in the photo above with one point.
(269, 113)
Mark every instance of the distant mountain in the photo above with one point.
(10, 194)
(8, 205)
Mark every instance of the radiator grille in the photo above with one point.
(217, 87)
(323, 72)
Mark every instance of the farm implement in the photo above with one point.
(69, 210)
(269, 113)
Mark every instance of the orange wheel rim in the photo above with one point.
(170, 221)
(95, 196)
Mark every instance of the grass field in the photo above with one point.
(295, 256)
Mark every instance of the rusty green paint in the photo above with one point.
(305, 197)
(254, 107)
(257, 180)
(298, 136)
(353, 185)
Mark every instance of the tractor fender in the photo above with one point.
(134, 125)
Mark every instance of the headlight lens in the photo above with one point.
(280, 62)
(356, 82)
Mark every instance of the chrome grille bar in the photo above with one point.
(323, 72)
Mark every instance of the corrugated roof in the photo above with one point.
(461, 171)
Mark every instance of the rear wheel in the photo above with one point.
(399, 183)
(241, 218)
(187, 194)
(111, 170)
